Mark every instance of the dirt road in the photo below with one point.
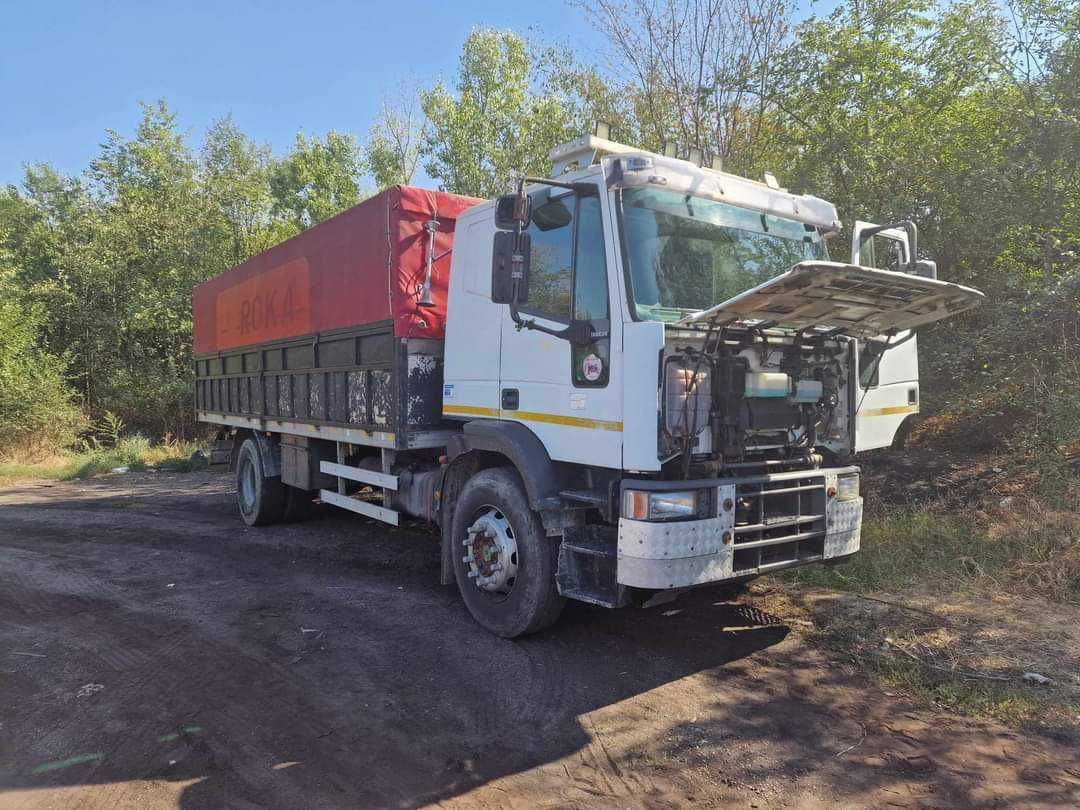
(154, 652)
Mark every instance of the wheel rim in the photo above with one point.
(491, 553)
(248, 486)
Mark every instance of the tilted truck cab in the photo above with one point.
(652, 377)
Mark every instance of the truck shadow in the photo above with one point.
(298, 669)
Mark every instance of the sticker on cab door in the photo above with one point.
(592, 367)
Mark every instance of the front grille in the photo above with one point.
(778, 523)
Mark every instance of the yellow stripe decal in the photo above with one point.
(557, 419)
(534, 416)
(470, 410)
(895, 409)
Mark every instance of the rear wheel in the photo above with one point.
(503, 562)
(261, 499)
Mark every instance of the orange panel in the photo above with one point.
(270, 306)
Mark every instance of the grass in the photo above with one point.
(134, 452)
(1032, 549)
(953, 597)
(1012, 704)
(966, 653)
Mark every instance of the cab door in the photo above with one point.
(888, 368)
(888, 392)
(567, 394)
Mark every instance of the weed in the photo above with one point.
(134, 452)
(1030, 550)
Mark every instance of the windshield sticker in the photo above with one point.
(592, 367)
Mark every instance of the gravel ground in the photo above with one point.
(155, 652)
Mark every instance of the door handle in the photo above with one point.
(510, 399)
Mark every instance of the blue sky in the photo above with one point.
(70, 69)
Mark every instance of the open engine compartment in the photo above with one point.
(743, 395)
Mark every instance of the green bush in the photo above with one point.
(37, 413)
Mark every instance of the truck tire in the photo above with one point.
(504, 563)
(261, 499)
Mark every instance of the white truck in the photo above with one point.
(639, 375)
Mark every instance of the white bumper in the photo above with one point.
(801, 524)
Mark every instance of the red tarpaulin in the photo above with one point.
(363, 266)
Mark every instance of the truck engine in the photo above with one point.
(745, 396)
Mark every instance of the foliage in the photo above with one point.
(36, 408)
(135, 452)
(107, 261)
(393, 148)
(318, 179)
(1033, 553)
(697, 71)
(494, 126)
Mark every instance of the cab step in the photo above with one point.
(587, 566)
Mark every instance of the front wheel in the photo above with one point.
(503, 562)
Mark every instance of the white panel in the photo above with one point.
(882, 409)
(677, 554)
(862, 301)
(843, 525)
(642, 342)
(360, 507)
(473, 323)
(678, 573)
(337, 434)
(376, 479)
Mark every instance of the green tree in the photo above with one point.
(393, 148)
(493, 126)
(36, 408)
(235, 174)
(317, 179)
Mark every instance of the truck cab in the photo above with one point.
(688, 365)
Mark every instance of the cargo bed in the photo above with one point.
(361, 385)
(325, 335)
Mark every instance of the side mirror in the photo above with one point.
(926, 268)
(502, 267)
(510, 209)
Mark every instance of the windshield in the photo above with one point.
(687, 253)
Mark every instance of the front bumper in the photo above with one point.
(777, 521)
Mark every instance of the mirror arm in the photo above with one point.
(580, 333)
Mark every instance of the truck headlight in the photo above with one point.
(847, 487)
(643, 505)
